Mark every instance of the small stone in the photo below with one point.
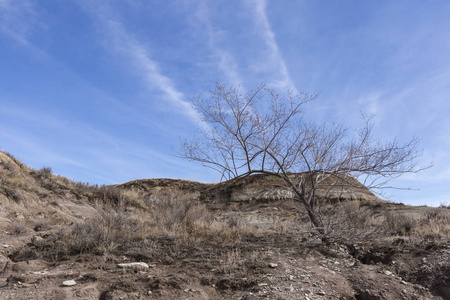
(404, 291)
(262, 284)
(322, 293)
(5, 246)
(273, 265)
(404, 282)
(36, 238)
(291, 277)
(69, 283)
(388, 273)
(135, 266)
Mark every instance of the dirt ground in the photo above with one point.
(276, 266)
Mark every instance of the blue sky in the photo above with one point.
(99, 90)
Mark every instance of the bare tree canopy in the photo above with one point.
(264, 132)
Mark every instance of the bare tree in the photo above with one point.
(262, 132)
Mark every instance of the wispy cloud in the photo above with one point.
(49, 138)
(17, 18)
(140, 59)
(225, 59)
(370, 103)
(274, 60)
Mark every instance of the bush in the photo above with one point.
(175, 214)
(349, 222)
(19, 228)
(400, 224)
(105, 231)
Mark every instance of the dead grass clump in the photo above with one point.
(13, 194)
(109, 229)
(399, 224)
(238, 260)
(434, 225)
(19, 228)
(110, 195)
(15, 160)
(42, 225)
(178, 215)
(175, 214)
(444, 205)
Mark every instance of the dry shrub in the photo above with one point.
(434, 225)
(176, 214)
(171, 223)
(14, 194)
(109, 194)
(444, 205)
(237, 261)
(19, 228)
(349, 222)
(232, 261)
(42, 225)
(107, 230)
(181, 216)
(401, 224)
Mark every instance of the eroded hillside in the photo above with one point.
(242, 240)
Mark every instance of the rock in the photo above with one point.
(69, 283)
(5, 224)
(388, 273)
(273, 266)
(134, 266)
(36, 239)
(3, 263)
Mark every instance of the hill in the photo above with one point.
(178, 239)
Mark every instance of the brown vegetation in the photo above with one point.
(200, 246)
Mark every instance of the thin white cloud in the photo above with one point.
(17, 18)
(225, 60)
(125, 158)
(274, 59)
(370, 103)
(136, 53)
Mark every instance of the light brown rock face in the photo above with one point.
(253, 188)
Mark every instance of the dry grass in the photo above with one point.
(347, 222)
(172, 223)
(432, 225)
(399, 224)
(19, 228)
(168, 223)
(114, 229)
